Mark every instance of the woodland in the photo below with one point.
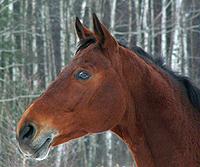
(37, 39)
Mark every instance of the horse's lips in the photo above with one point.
(42, 152)
(39, 147)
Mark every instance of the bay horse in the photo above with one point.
(106, 86)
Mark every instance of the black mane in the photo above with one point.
(193, 92)
(84, 43)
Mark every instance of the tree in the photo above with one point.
(38, 39)
(54, 14)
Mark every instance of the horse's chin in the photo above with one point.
(64, 138)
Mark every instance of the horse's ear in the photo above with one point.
(102, 34)
(81, 30)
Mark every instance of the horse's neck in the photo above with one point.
(159, 125)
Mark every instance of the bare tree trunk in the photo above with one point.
(63, 32)
(138, 22)
(176, 40)
(54, 14)
(24, 162)
(107, 13)
(152, 28)
(59, 156)
(130, 23)
(40, 44)
(157, 21)
(68, 52)
(195, 39)
(29, 43)
(185, 46)
(169, 29)
(164, 29)
(146, 25)
(112, 17)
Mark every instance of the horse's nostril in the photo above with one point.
(27, 133)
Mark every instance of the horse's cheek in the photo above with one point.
(107, 108)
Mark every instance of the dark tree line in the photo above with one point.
(37, 39)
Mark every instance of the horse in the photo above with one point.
(107, 86)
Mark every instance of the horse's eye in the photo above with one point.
(82, 75)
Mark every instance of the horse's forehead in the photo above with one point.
(92, 56)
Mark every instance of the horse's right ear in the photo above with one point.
(81, 30)
(104, 37)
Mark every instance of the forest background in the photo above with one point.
(37, 39)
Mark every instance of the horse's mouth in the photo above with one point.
(37, 149)
(42, 151)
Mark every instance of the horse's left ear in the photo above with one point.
(103, 36)
(82, 31)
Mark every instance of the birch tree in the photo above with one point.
(38, 39)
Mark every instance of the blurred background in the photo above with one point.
(37, 40)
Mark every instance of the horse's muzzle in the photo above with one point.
(34, 145)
